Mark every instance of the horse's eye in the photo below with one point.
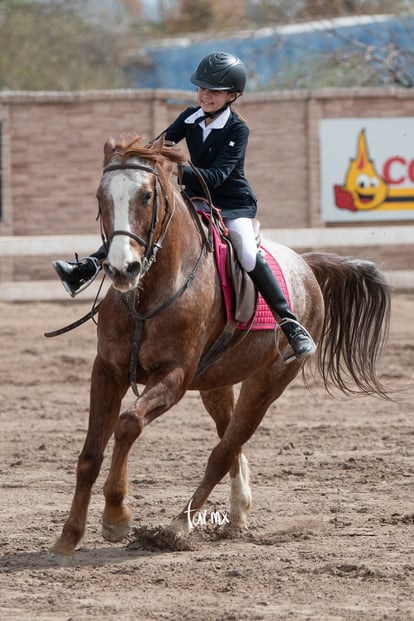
(147, 197)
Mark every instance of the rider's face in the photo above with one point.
(211, 101)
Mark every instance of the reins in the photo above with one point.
(129, 299)
(90, 315)
(208, 239)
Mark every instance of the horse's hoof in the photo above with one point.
(239, 521)
(62, 548)
(116, 532)
(59, 558)
(179, 527)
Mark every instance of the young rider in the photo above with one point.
(217, 138)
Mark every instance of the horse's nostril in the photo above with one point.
(133, 268)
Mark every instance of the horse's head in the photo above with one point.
(136, 204)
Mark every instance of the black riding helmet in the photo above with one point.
(220, 71)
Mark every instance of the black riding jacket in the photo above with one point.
(220, 160)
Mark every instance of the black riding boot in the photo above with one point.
(299, 339)
(77, 275)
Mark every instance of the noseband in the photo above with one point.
(150, 248)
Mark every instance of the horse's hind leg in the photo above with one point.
(105, 403)
(256, 395)
(241, 496)
(220, 405)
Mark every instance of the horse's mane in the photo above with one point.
(133, 145)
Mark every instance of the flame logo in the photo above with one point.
(364, 188)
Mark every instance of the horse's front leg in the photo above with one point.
(105, 403)
(160, 394)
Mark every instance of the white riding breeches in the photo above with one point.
(244, 234)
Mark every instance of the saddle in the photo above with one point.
(244, 305)
(245, 308)
(240, 294)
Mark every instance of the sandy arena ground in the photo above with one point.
(331, 532)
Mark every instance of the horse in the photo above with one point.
(164, 312)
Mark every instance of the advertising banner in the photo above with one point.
(367, 169)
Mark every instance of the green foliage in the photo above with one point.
(48, 46)
(201, 16)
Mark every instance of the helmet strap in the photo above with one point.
(212, 115)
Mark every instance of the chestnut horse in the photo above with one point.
(165, 310)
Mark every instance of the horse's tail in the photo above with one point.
(357, 316)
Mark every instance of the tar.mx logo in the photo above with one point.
(204, 517)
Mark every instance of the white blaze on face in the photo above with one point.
(122, 187)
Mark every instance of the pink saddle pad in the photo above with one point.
(263, 318)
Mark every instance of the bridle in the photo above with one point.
(151, 248)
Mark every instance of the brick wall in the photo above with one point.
(52, 153)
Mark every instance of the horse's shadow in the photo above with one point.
(144, 542)
(84, 557)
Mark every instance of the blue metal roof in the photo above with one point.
(267, 52)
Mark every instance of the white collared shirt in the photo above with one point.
(217, 123)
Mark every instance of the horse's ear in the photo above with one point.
(158, 143)
(109, 147)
